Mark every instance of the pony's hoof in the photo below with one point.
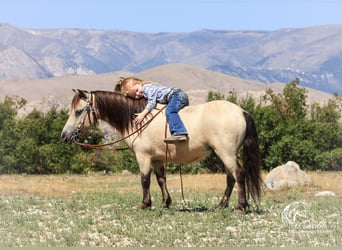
(164, 206)
(143, 206)
(242, 209)
(238, 211)
(221, 205)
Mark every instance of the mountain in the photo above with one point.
(313, 54)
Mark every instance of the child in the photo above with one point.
(175, 99)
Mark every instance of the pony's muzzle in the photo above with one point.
(70, 137)
(64, 137)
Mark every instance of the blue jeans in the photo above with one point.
(177, 100)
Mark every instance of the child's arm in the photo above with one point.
(140, 116)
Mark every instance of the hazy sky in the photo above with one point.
(170, 15)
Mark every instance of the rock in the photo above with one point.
(325, 193)
(126, 172)
(286, 175)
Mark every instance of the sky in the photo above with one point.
(170, 15)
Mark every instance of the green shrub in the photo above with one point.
(331, 160)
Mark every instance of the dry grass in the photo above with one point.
(327, 181)
(67, 185)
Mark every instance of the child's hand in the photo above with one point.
(139, 118)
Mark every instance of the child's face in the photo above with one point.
(134, 90)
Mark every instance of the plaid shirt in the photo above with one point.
(155, 93)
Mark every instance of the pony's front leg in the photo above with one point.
(161, 179)
(144, 163)
(145, 183)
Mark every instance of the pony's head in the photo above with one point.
(82, 116)
(112, 107)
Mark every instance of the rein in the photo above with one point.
(89, 108)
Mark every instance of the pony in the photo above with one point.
(217, 127)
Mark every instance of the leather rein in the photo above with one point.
(90, 110)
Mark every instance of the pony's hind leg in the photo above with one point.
(226, 196)
(161, 179)
(239, 178)
(241, 186)
(234, 174)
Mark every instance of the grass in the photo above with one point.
(55, 211)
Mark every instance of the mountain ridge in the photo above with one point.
(311, 54)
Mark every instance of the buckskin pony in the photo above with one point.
(216, 127)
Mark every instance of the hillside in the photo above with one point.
(44, 93)
(312, 54)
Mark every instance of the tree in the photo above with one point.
(9, 107)
(215, 95)
(291, 103)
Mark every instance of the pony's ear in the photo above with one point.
(118, 87)
(82, 93)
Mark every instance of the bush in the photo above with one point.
(82, 163)
(331, 160)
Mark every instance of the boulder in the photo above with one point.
(288, 174)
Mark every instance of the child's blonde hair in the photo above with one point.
(123, 83)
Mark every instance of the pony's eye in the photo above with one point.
(78, 112)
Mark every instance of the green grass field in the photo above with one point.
(59, 211)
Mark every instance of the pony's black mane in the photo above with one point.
(117, 109)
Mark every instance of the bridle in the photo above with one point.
(89, 110)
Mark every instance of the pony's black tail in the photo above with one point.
(251, 158)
